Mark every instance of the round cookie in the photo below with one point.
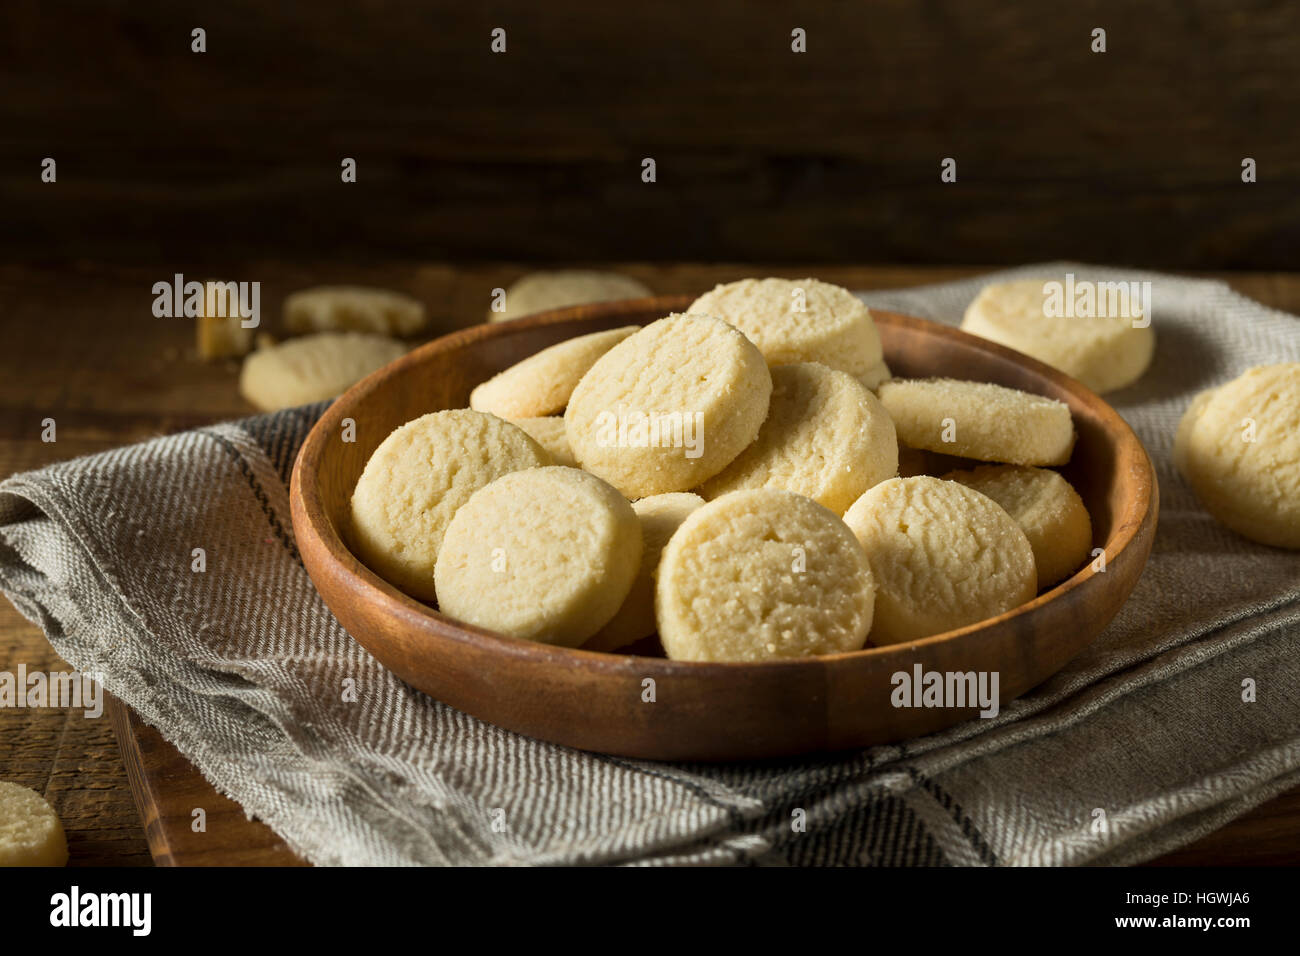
(416, 480)
(546, 555)
(313, 368)
(1239, 448)
(1048, 510)
(539, 291)
(834, 327)
(669, 407)
(762, 575)
(660, 516)
(350, 308)
(987, 422)
(542, 383)
(826, 437)
(943, 556)
(549, 433)
(1104, 352)
(30, 831)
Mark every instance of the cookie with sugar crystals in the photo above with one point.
(416, 480)
(660, 517)
(979, 420)
(761, 575)
(1104, 352)
(1239, 447)
(313, 368)
(826, 437)
(30, 831)
(801, 320)
(1046, 507)
(541, 291)
(943, 555)
(670, 406)
(546, 555)
(542, 383)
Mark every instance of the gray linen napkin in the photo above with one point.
(1143, 743)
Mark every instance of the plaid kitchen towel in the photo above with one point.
(1142, 744)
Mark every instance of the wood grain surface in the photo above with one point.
(1132, 155)
(82, 347)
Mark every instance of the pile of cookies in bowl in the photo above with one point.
(741, 481)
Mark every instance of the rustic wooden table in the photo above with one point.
(83, 347)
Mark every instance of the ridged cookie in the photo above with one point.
(660, 516)
(539, 291)
(986, 422)
(313, 368)
(30, 831)
(833, 327)
(1048, 510)
(762, 575)
(943, 555)
(548, 432)
(353, 308)
(546, 555)
(669, 407)
(1239, 448)
(542, 383)
(1103, 352)
(826, 437)
(416, 480)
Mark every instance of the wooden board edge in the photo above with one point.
(229, 837)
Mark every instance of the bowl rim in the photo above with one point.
(387, 600)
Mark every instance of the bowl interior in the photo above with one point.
(420, 383)
(593, 701)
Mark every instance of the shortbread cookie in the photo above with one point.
(30, 831)
(669, 407)
(799, 320)
(546, 554)
(979, 420)
(944, 556)
(542, 383)
(417, 478)
(1239, 448)
(313, 368)
(353, 308)
(548, 432)
(826, 437)
(660, 516)
(1048, 510)
(539, 291)
(762, 575)
(1104, 352)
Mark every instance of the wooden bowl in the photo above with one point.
(705, 711)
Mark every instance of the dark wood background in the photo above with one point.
(1132, 156)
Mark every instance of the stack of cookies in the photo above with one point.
(743, 482)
